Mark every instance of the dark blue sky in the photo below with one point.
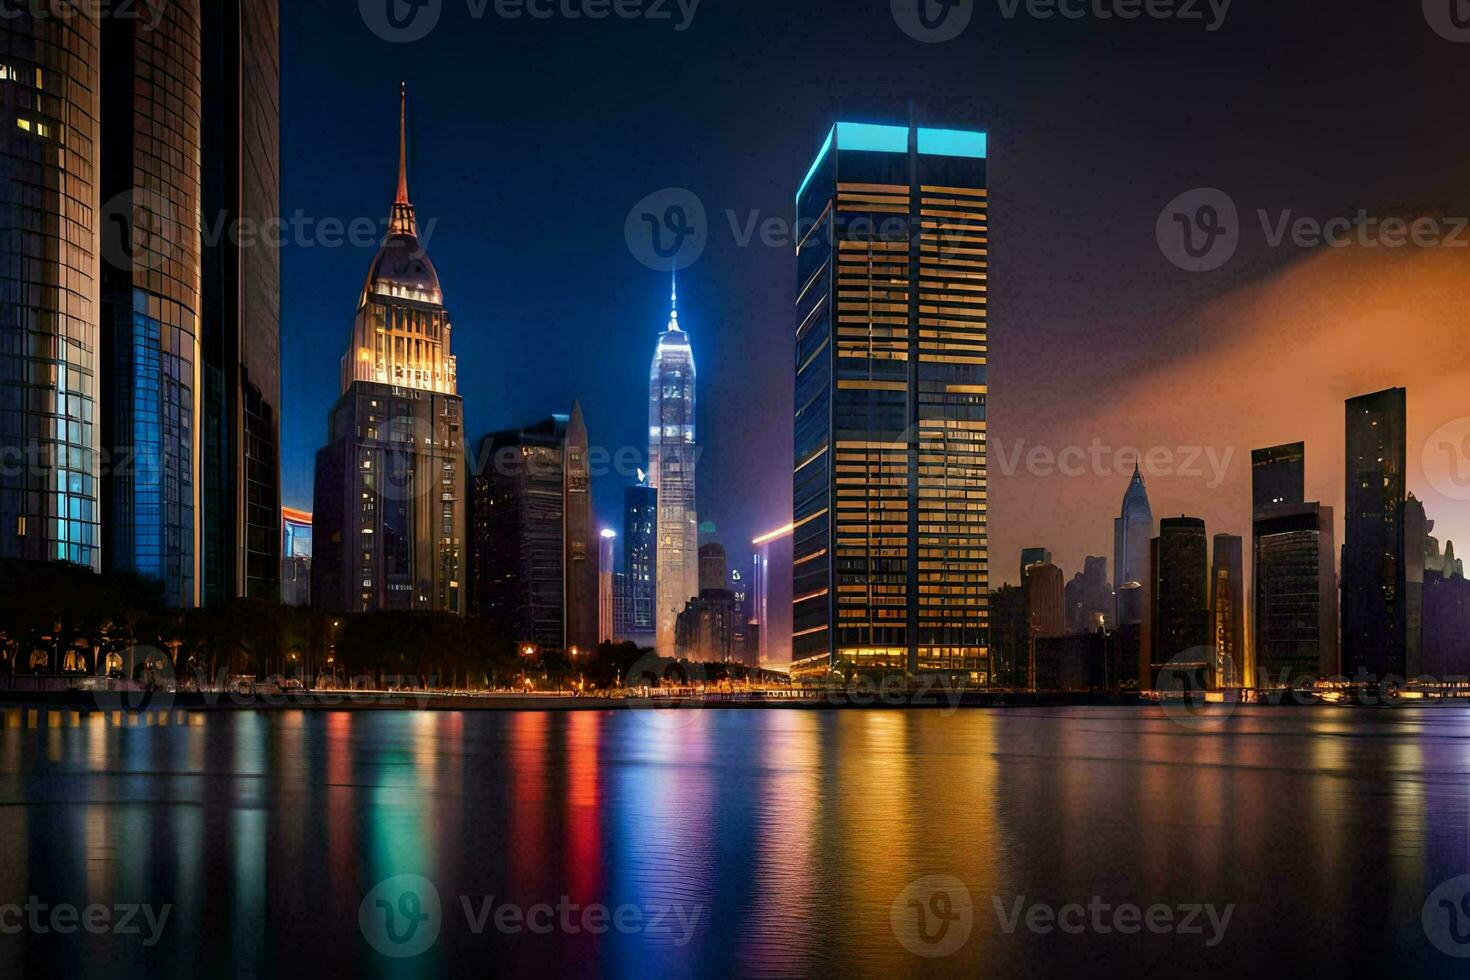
(532, 139)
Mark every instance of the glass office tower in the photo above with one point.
(671, 458)
(1375, 572)
(890, 551)
(49, 288)
(241, 327)
(640, 558)
(152, 298)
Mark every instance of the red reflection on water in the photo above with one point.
(342, 843)
(583, 806)
(529, 852)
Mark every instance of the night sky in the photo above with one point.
(532, 140)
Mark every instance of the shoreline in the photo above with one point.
(136, 702)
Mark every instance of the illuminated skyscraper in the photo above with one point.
(671, 459)
(390, 509)
(49, 288)
(640, 560)
(606, 592)
(891, 353)
(152, 292)
(1227, 609)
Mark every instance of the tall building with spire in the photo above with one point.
(672, 454)
(390, 508)
(1132, 531)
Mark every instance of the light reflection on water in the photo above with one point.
(783, 837)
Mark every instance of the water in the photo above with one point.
(765, 842)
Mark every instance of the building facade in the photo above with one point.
(534, 568)
(296, 548)
(1295, 584)
(1375, 568)
(1179, 621)
(1133, 529)
(770, 597)
(640, 562)
(1278, 475)
(50, 288)
(1227, 609)
(390, 507)
(713, 567)
(607, 587)
(1090, 603)
(672, 454)
(241, 327)
(891, 553)
(153, 300)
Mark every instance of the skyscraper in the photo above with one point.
(241, 325)
(606, 591)
(1278, 475)
(1295, 584)
(1375, 599)
(640, 559)
(1179, 618)
(770, 591)
(1227, 609)
(50, 313)
(1294, 571)
(533, 567)
(672, 455)
(160, 343)
(713, 567)
(1033, 556)
(1132, 531)
(152, 84)
(581, 545)
(390, 508)
(891, 353)
(1090, 604)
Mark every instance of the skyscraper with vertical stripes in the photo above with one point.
(672, 454)
(891, 553)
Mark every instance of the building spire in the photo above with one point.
(674, 304)
(403, 222)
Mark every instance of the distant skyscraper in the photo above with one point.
(606, 591)
(1278, 475)
(713, 567)
(1132, 531)
(1044, 600)
(390, 508)
(1179, 620)
(526, 559)
(581, 545)
(640, 560)
(1375, 570)
(891, 352)
(296, 548)
(1033, 556)
(1227, 609)
(1295, 584)
(152, 83)
(1090, 604)
(240, 334)
(770, 608)
(672, 454)
(50, 301)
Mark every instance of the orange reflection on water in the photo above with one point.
(528, 832)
